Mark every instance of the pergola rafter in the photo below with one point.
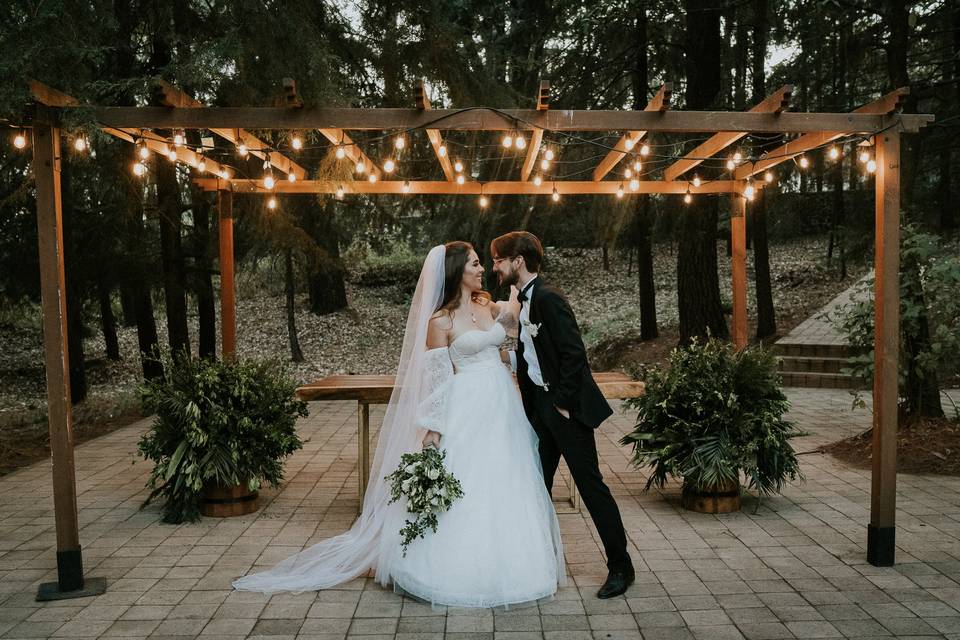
(775, 103)
(436, 140)
(536, 138)
(878, 119)
(659, 103)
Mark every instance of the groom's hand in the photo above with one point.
(563, 412)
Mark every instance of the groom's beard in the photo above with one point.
(508, 279)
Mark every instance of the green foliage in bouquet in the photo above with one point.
(712, 413)
(429, 489)
(217, 422)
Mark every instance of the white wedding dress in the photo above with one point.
(500, 543)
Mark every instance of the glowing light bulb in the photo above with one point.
(172, 154)
(737, 157)
(442, 151)
(461, 179)
(628, 173)
(225, 174)
(406, 186)
(731, 165)
(201, 165)
(296, 142)
(507, 141)
(361, 167)
(458, 166)
(341, 152)
(484, 201)
(544, 164)
(645, 150)
(696, 181)
(389, 165)
(339, 192)
(242, 150)
(291, 177)
(804, 163)
(20, 140)
(556, 195)
(537, 180)
(139, 169)
(871, 166)
(178, 138)
(272, 203)
(142, 151)
(268, 181)
(548, 154)
(834, 152)
(400, 142)
(372, 178)
(628, 144)
(80, 144)
(768, 176)
(634, 184)
(864, 156)
(620, 191)
(637, 166)
(749, 192)
(687, 198)
(521, 142)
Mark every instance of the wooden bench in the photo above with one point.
(367, 390)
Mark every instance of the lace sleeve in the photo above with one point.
(437, 374)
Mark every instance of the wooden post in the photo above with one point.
(46, 169)
(228, 308)
(738, 244)
(363, 448)
(881, 533)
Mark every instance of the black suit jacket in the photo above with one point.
(562, 358)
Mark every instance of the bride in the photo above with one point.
(499, 544)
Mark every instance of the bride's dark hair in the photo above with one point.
(455, 261)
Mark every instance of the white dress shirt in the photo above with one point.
(529, 351)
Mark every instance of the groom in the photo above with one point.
(561, 399)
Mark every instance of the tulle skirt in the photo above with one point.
(500, 543)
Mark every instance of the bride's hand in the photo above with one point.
(433, 438)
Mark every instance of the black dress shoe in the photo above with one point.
(617, 583)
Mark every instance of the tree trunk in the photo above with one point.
(74, 291)
(202, 282)
(643, 226)
(107, 322)
(326, 287)
(606, 258)
(296, 354)
(128, 306)
(698, 287)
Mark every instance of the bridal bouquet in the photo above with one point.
(428, 487)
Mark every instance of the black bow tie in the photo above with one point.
(522, 296)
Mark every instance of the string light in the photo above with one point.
(749, 191)
(834, 152)
(687, 197)
(628, 144)
(461, 179)
(178, 138)
(201, 164)
(544, 164)
(296, 142)
(142, 150)
(20, 140)
(291, 177)
(484, 201)
(389, 165)
(139, 169)
(442, 151)
(556, 195)
(341, 152)
(225, 173)
(737, 157)
(400, 142)
(537, 180)
(272, 203)
(634, 184)
(620, 191)
(864, 156)
(628, 173)
(871, 166)
(548, 153)
(242, 150)
(731, 165)
(637, 165)
(80, 143)
(268, 181)
(645, 150)
(804, 163)
(339, 192)
(372, 178)
(171, 154)
(361, 167)
(696, 181)
(768, 176)
(458, 166)
(521, 142)
(406, 186)
(507, 141)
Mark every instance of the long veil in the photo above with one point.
(353, 553)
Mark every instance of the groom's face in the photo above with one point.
(506, 270)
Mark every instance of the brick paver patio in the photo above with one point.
(793, 566)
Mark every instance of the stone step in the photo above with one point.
(798, 364)
(808, 350)
(816, 380)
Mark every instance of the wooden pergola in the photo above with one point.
(878, 122)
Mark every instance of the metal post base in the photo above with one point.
(91, 587)
(70, 582)
(881, 545)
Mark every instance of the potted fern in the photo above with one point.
(713, 414)
(221, 429)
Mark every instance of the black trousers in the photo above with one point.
(566, 437)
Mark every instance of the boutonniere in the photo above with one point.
(532, 328)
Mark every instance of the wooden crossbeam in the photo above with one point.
(173, 96)
(351, 149)
(536, 138)
(888, 104)
(658, 103)
(436, 140)
(777, 102)
(568, 187)
(161, 146)
(479, 119)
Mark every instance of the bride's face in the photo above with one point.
(473, 273)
